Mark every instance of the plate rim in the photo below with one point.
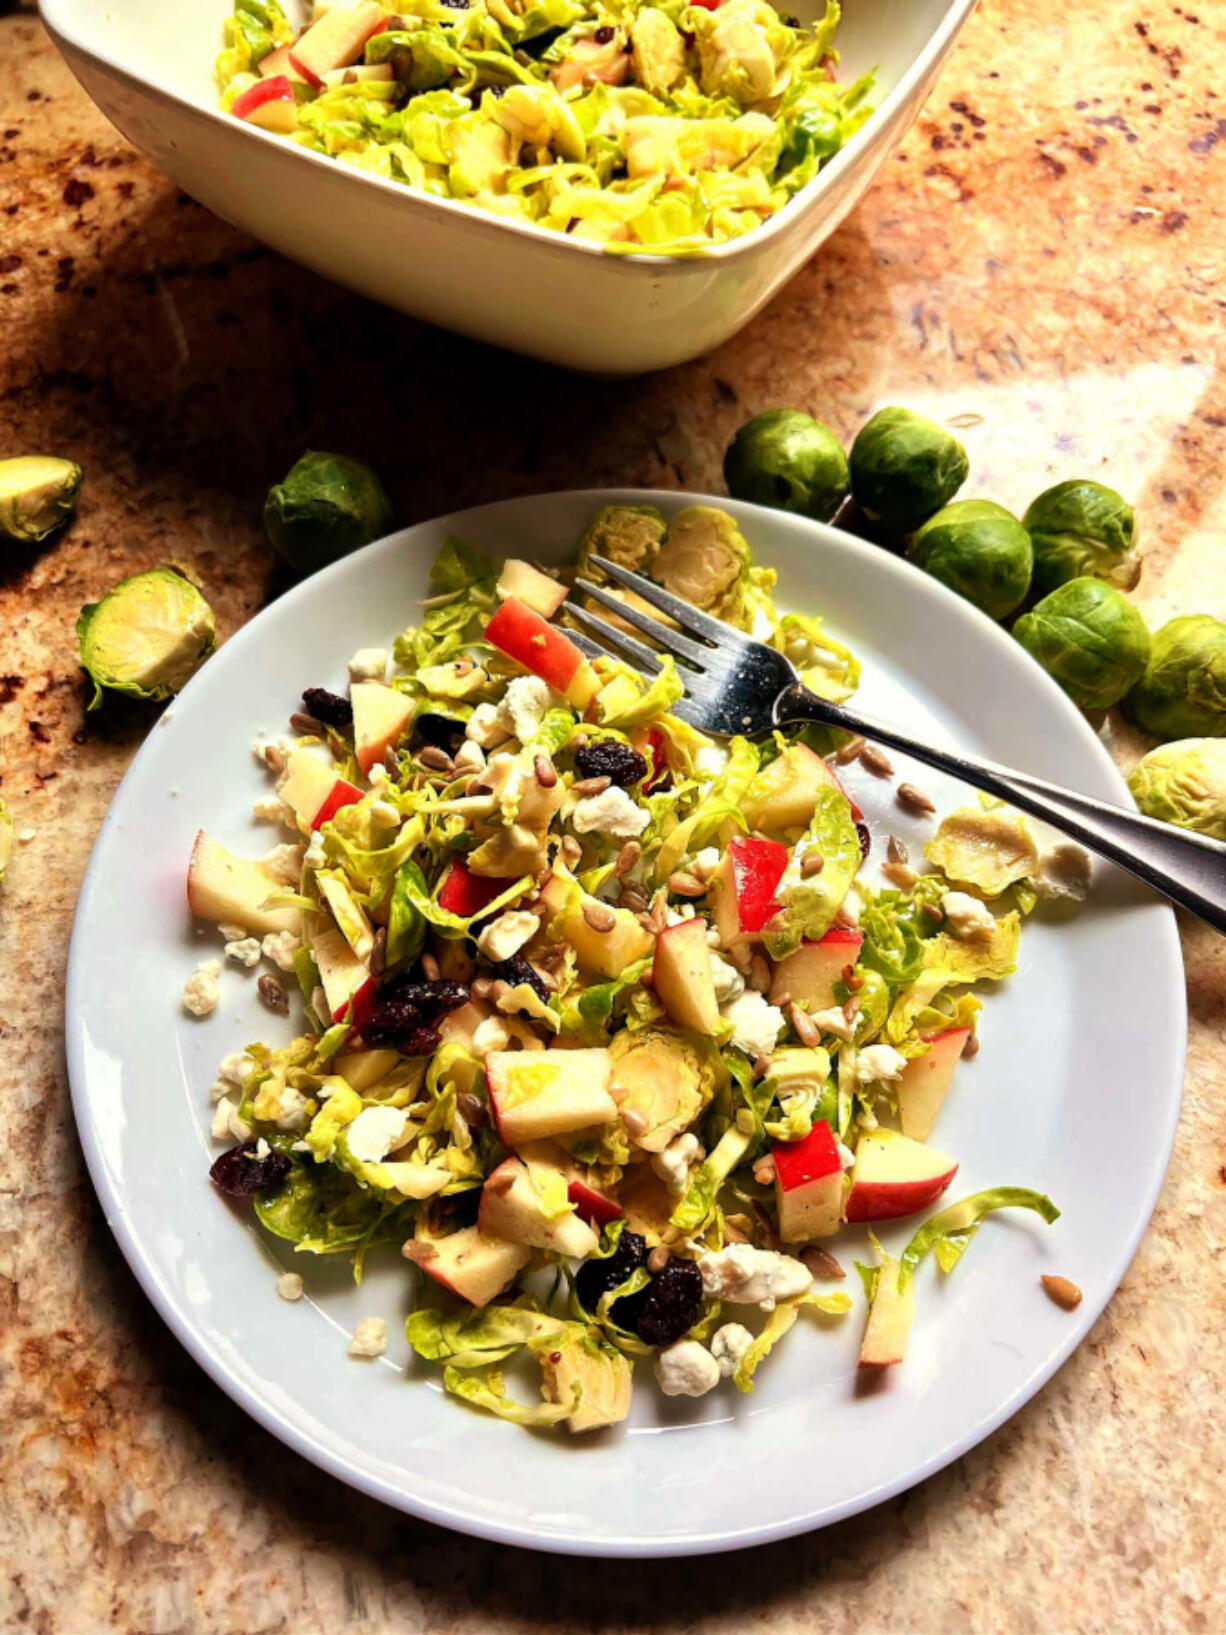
(706, 1542)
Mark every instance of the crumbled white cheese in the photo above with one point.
(272, 809)
(485, 727)
(613, 812)
(262, 1150)
(728, 1345)
(524, 704)
(686, 1369)
(966, 917)
(284, 863)
(705, 862)
(846, 1157)
(833, 1021)
(292, 1109)
(678, 916)
(507, 934)
(711, 761)
(369, 1338)
(729, 983)
(243, 951)
(756, 1024)
(745, 1276)
(232, 933)
(202, 989)
(280, 947)
(673, 1164)
(374, 1132)
(1064, 874)
(383, 815)
(369, 664)
(227, 1125)
(470, 757)
(316, 857)
(378, 774)
(289, 1286)
(235, 1067)
(877, 1062)
(25, 836)
(490, 1034)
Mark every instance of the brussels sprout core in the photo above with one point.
(903, 468)
(703, 557)
(146, 636)
(1081, 529)
(1183, 691)
(38, 494)
(1090, 639)
(326, 507)
(980, 550)
(1184, 783)
(788, 460)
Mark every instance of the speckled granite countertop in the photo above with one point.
(1045, 259)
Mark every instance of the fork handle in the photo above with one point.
(1187, 868)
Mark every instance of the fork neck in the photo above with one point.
(797, 703)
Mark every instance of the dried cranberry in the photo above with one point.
(596, 1277)
(608, 758)
(602, 36)
(327, 707)
(405, 1016)
(516, 970)
(439, 730)
(865, 839)
(668, 1307)
(239, 1173)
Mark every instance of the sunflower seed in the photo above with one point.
(590, 786)
(430, 968)
(546, 772)
(913, 800)
(764, 1171)
(436, 759)
(809, 1033)
(599, 916)
(850, 751)
(627, 857)
(658, 1259)
(1064, 1292)
(307, 724)
(896, 851)
(813, 864)
(759, 976)
(872, 760)
(378, 952)
(273, 994)
(820, 1263)
(682, 884)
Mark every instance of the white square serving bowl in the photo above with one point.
(148, 66)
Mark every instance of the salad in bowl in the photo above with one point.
(607, 1027)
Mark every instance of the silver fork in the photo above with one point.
(737, 685)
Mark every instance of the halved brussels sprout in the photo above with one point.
(786, 459)
(980, 550)
(903, 468)
(1082, 530)
(702, 558)
(38, 494)
(146, 636)
(327, 506)
(630, 535)
(1183, 691)
(1184, 783)
(1090, 639)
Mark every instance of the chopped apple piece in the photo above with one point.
(357, 73)
(277, 64)
(808, 976)
(380, 715)
(230, 890)
(602, 1374)
(889, 1318)
(894, 1175)
(607, 953)
(465, 893)
(809, 1185)
(784, 794)
(548, 652)
(532, 587)
(348, 913)
(362, 1068)
(313, 790)
(469, 1263)
(512, 1207)
(269, 103)
(535, 1094)
(743, 888)
(925, 1082)
(681, 976)
(347, 983)
(336, 40)
(590, 1203)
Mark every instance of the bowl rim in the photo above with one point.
(55, 16)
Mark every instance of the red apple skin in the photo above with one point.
(592, 1206)
(926, 1082)
(536, 644)
(465, 893)
(360, 1008)
(757, 868)
(341, 794)
(798, 1162)
(276, 88)
(888, 1200)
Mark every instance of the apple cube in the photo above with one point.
(809, 1185)
(520, 632)
(357, 73)
(530, 586)
(380, 715)
(590, 1205)
(808, 976)
(269, 103)
(925, 1082)
(465, 893)
(511, 1207)
(743, 888)
(230, 890)
(681, 976)
(277, 64)
(894, 1175)
(607, 953)
(784, 794)
(361, 1069)
(347, 983)
(469, 1263)
(348, 913)
(538, 1093)
(311, 787)
(889, 1318)
(336, 40)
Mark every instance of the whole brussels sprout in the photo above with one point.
(980, 550)
(1183, 691)
(146, 636)
(1184, 783)
(1081, 529)
(38, 494)
(326, 507)
(1090, 639)
(786, 459)
(903, 468)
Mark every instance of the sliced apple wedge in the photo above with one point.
(520, 632)
(809, 1185)
(681, 976)
(784, 794)
(889, 1319)
(230, 890)
(894, 1175)
(607, 953)
(512, 1207)
(469, 1263)
(380, 715)
(350, 916)
(276, 64)
(590, 1203)
(925, 1082)
(347, 983)
(530, 586)
(465, 893)
(808, 976)
(538, 1093)
(313, 790)
(270, 104)
(362, 1068)
(743, 888)
(336, 40)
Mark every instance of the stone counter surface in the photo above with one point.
(1045, 260)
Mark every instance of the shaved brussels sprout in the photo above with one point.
(1081, 529)
(327, 506)
(147, 636)
(903, 468)
(1183, 691)
(38, 494)
(1090, 639)
(630, 535)
(980, 550)
(1184, 783)
(786, 459)
(703, 557)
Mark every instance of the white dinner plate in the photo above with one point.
(1075, 1092)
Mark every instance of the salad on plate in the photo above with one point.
(609, 1028)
